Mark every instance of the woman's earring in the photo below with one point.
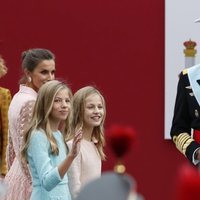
(29, 79)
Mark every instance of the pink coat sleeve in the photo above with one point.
(16, 142)
(24, 120)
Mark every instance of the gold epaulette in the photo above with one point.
(185, 71)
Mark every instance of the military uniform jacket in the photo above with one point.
(186, 117)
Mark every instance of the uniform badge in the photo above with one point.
(196, 113)
(190, 88)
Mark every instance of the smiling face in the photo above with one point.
(43, 72)
(93, 111)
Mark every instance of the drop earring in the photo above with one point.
(29, 79)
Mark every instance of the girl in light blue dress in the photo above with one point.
(44, 146)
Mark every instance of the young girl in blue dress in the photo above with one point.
(44, 146)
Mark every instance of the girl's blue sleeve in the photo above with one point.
(38, 151)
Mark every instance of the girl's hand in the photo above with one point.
(76, 143)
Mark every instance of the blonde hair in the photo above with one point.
(41, 113)
(78, 116)
(3, 68)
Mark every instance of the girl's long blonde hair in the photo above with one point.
(41, 113)
(78, 117)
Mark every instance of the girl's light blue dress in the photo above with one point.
(46, 181)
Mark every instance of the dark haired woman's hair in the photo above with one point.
(32, 57)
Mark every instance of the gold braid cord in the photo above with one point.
(182, 141)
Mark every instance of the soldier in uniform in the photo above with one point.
(185, 130)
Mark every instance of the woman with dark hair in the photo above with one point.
(38, 67)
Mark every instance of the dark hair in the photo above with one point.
(32, 57)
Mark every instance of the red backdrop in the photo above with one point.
(116, 45)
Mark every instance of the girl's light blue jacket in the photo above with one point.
(46, 181)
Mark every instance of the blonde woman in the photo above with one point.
(44, 147)
(5, 98)
(89, 115)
